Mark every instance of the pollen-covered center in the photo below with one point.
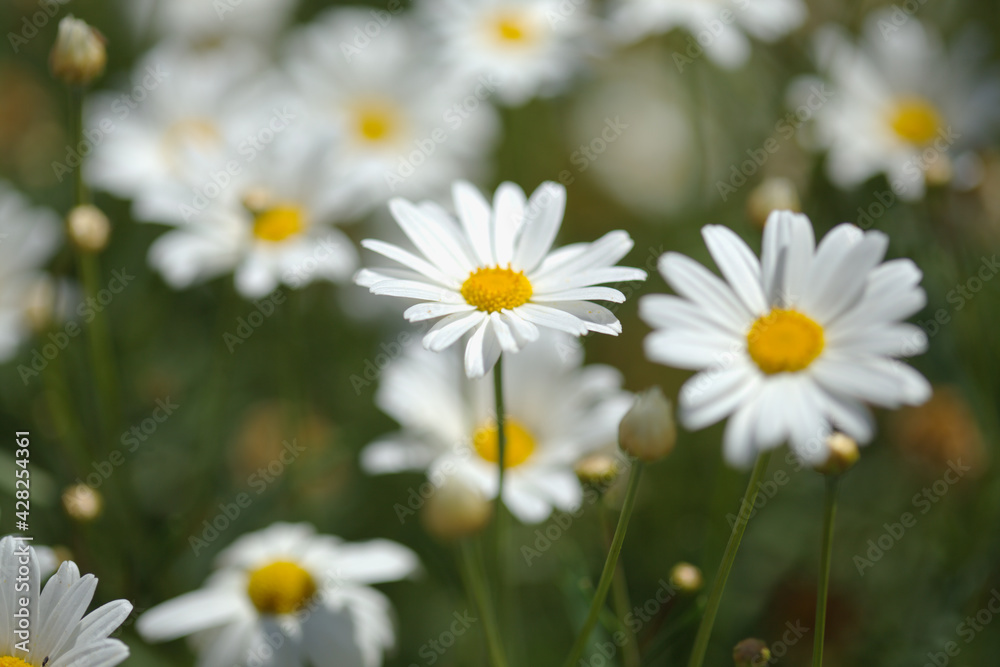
(493, 289)
(784, 341)
(518, 448)
(278, 223)
(916, 120)
(11, 661)
(376, 121)
(512, 28)
(281, 587)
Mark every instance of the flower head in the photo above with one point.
(78, 56)
(494, 273)
(793, 345)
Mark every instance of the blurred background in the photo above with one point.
(644, 141)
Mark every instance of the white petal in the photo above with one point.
(474, 213)
(597, 318)
(428, 311)
(603, 252)
(552, 317)
(581, 294)
(482, 351)
(508, 216)
(374, 562)
(435, 241)
(396, 454)
(191, 612)
(411, 289)
(699, 285)
(542, 217)
(738, 264)
(410, 260)
(738, 439)
(448, 330)
(667, 311)
(565, 281)
(692, 350)
(713, 394)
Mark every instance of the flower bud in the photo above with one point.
(78, 56)
(686, 578)
(456, 509)
(647, 431)
(89, 228)
(774, 194)
(597, 469)
(751, 653)
(40, 304)
(82, 502)
(843, 455)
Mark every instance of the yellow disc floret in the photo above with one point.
(493, 289)
(512, 28)
(518, 448)
(784, 341)
(278, 223)
(11, 661)
(281, 587)
(915, 120)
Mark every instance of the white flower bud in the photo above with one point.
(78, 56)
(647, 431)
(456, 509)
(774, 194)
(844, 453)
(82, 502)
(89, 228)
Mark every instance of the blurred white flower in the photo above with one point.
(394, 124)
(718, 28)
(287, 596)
(187, 114)
(59, 632)
(28, 239)
(556, 413)
(494, 273)
(794, 343)
(527, 48)
(902, 105)
(208, 21)
(272, 225)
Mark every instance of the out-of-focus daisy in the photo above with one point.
(394, 124)
(28, 239)
(556, 413)
(59, 633)
(184, 118)
(528, 47)
(718, 26)
(287, 596)
(793, 344)
(901, 104)
(495, 274)
(205, 23)
(271, 226)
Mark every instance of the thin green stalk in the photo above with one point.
(620, 598)
(728, 558)
(609, 566)
(501, 433)
(475, 584)
(829, 516)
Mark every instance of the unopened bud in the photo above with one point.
(774, 194)
(82, 502)
(843, 455)
(751, 653)
(597, 469)
(89, 228)
(456, 509)
(686, 578)
(647, 431)
(78, 56)
(40, 304)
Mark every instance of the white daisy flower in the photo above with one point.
(557, 412)
(271, 226)
(720, 27)
(901, 104)
(529, 47)
(287, 596)
(29, 237)
(201, 22)
(495, 274)
(794, 344)
(60, 632)
(394, 124)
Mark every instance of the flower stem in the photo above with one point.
(609, 566)
(499, 518)
(619, 597)
(829, 516)
(475, 583)
(728, 558)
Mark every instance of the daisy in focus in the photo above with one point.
(557, 412)
(287, 596)
(719, 26)
(901, 105)
(29, 237)
(527, 48)
(793, 345)
(61, 633)
(494, 274)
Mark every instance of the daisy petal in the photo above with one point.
(738, 264)
(449, 329)
(542, 219)
(474, 212)
(508, 206)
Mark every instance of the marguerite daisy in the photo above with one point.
(286, 596)
(791, 345)
(495, 274)
(557, 412)
(57, 631)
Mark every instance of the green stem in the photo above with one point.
(728, 558)
(829, 516)
(501, 433)
(475, 583)
(620, 598)
(609, 566)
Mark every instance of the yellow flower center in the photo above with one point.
(512, 28)
(11, 661)
(282, 587)
(376, 122)
(784, 341)
(517, 449)
(915, 120)
(278, 223)
(493, 289)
